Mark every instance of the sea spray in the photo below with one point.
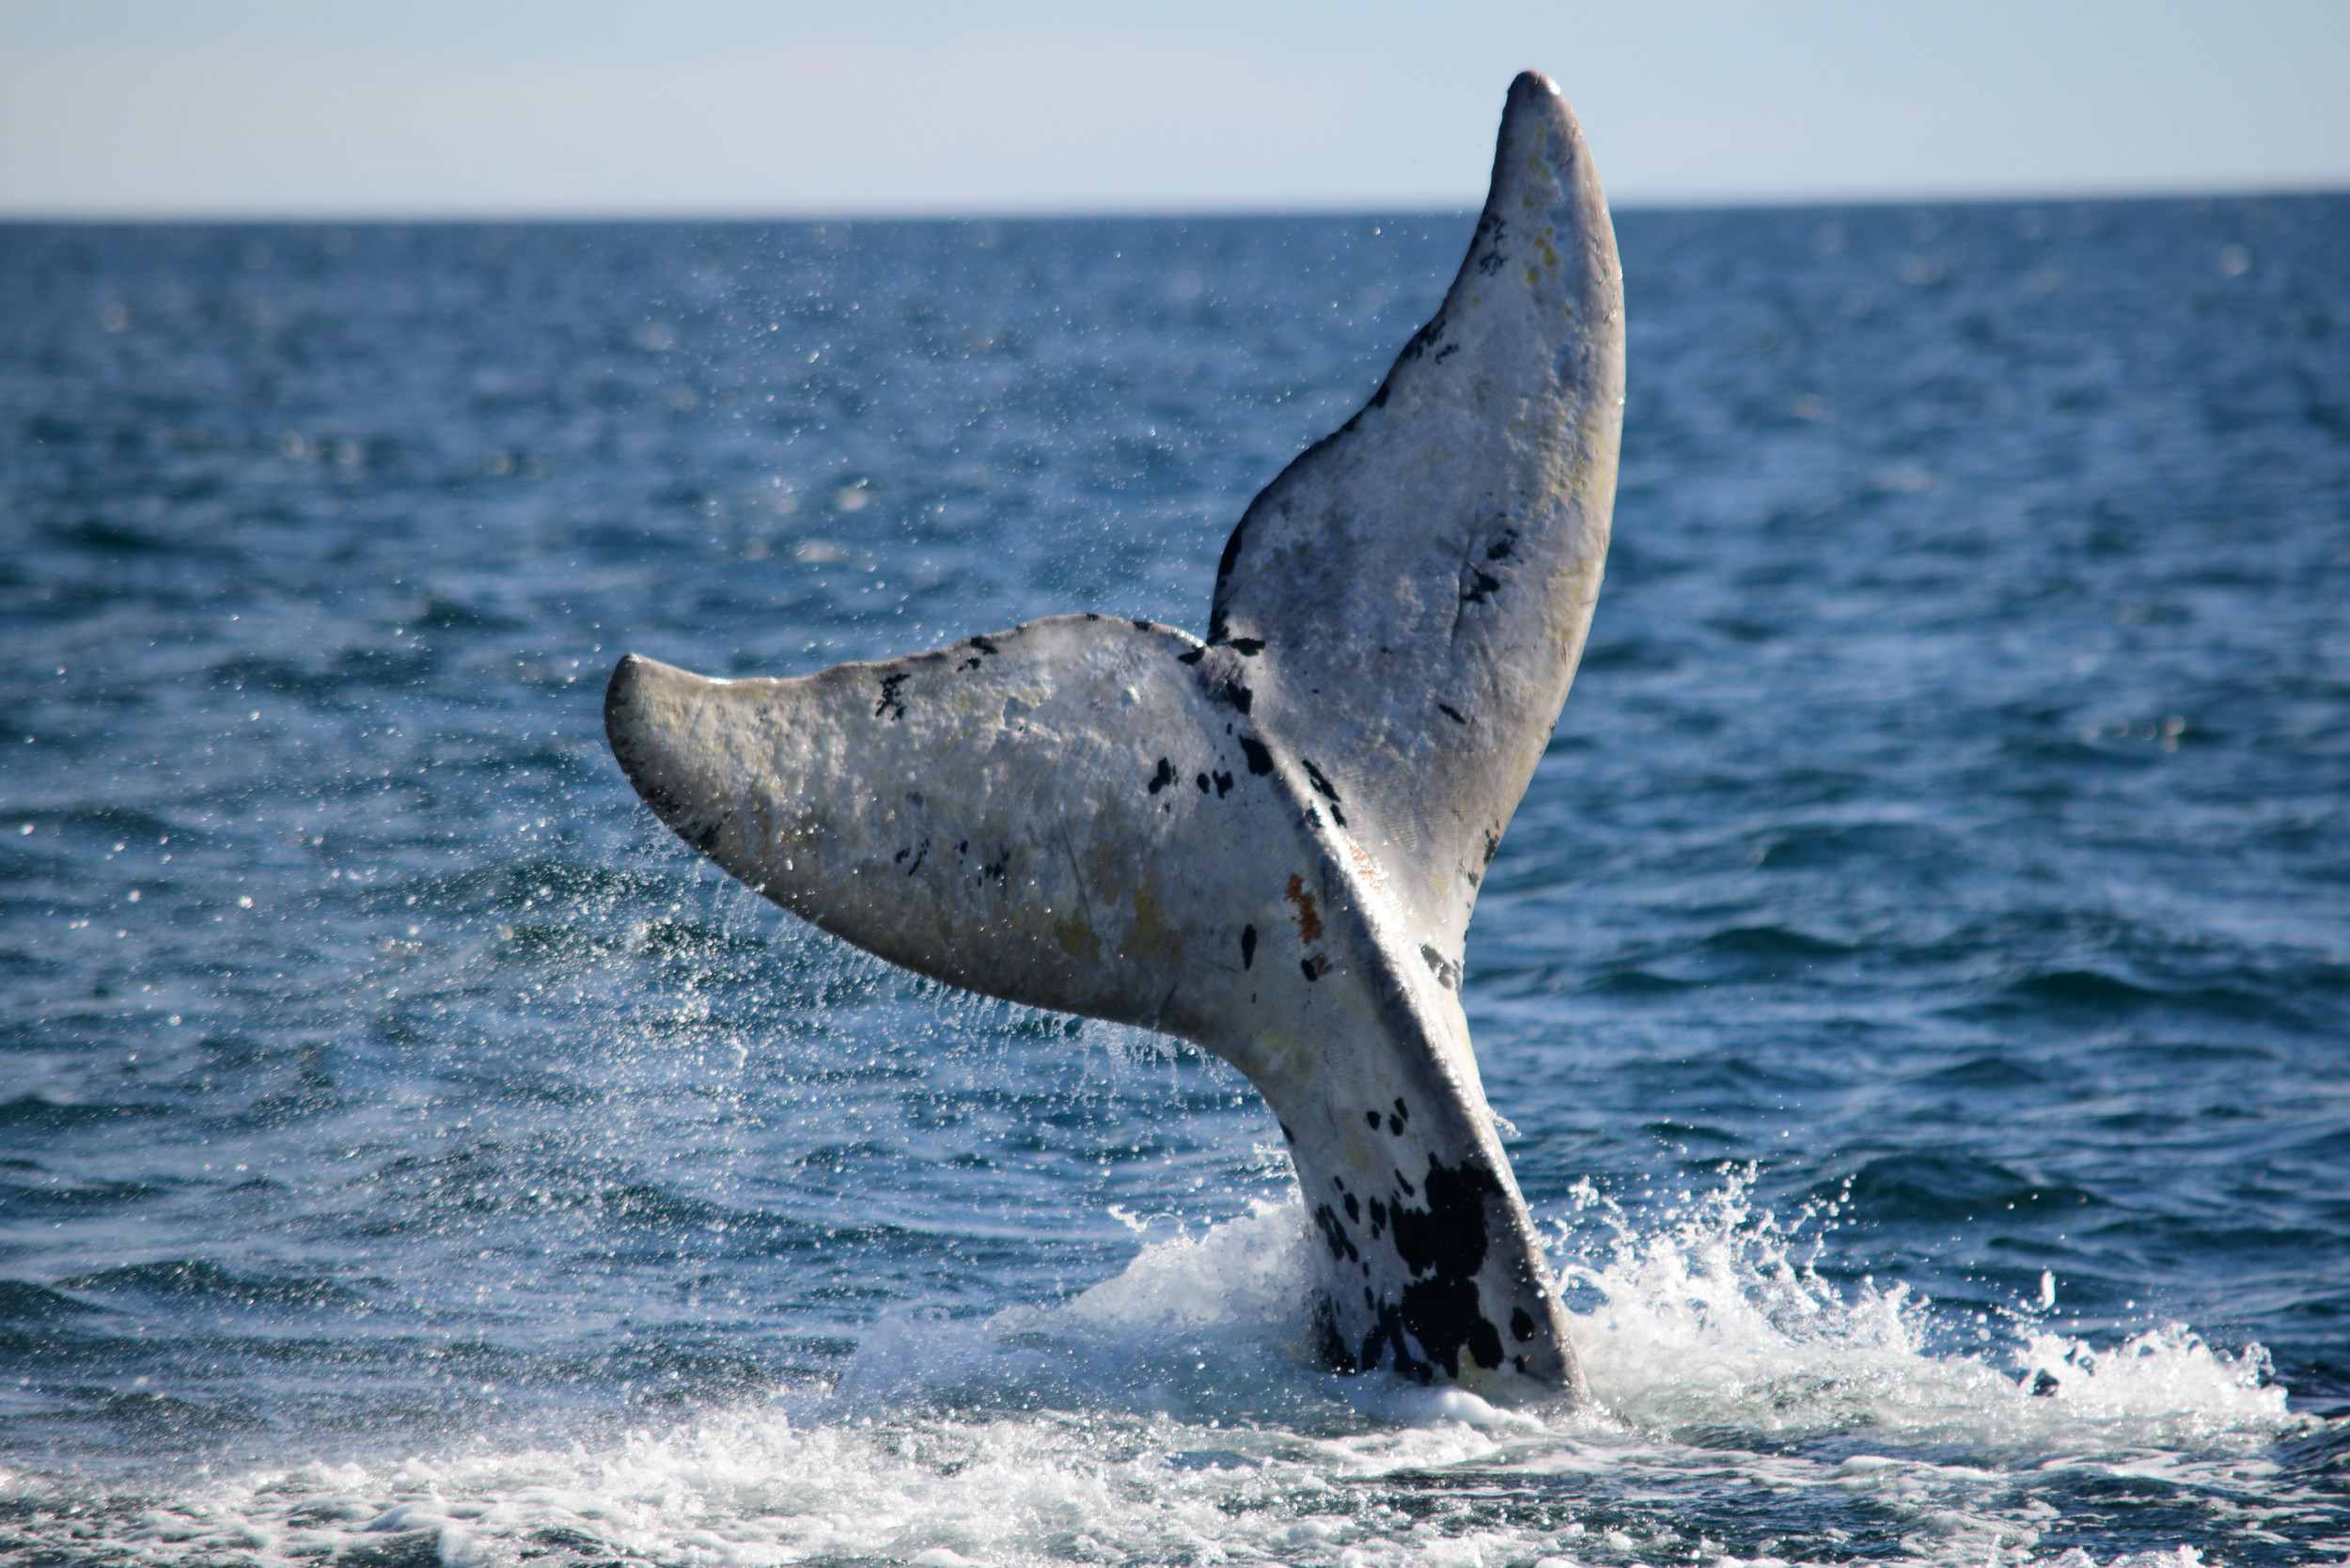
(1169, 1414)
(1713, 1317)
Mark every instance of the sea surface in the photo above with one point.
(1917, 981)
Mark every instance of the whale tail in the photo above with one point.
(1269, 843)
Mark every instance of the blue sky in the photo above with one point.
(357, 108)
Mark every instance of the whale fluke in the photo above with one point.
(1268, 843)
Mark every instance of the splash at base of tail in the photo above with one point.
(1268, 843)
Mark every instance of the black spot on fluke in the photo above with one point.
(1333, 1233)
(1322, 783)
(1447, 1243)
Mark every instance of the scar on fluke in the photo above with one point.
(1308, 922)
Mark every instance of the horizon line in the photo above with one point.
(1820, 201)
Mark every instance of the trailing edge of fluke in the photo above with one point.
(1268, 843)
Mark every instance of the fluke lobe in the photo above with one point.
(1268, 843)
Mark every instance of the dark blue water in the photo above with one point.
(1919, 972)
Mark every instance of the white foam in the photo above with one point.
(1246, 1276)
(1166, 1415)
(1715, 1318)
(1208, 1328)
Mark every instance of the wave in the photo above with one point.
(198, 1279)
(22, 1301)
(35, 1112)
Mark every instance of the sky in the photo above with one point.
(525, 108)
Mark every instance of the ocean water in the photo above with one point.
(1917, 979)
